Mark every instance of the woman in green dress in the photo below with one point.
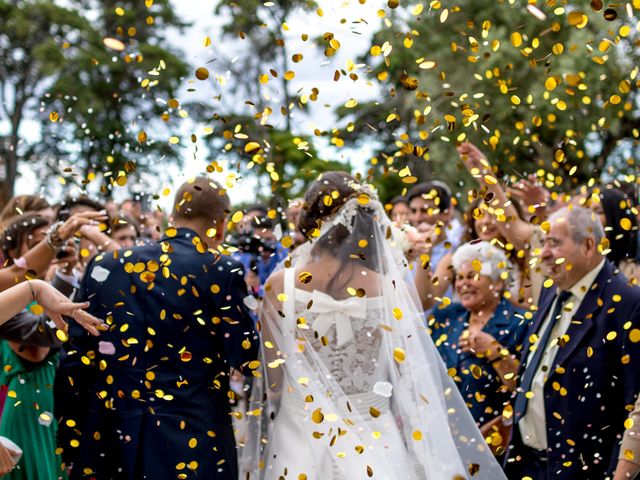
(27, 418)
(28, 373)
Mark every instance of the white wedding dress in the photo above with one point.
(357, 361)
(351, 385)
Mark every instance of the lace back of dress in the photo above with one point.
(343, 333)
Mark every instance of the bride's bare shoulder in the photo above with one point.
(274, 284)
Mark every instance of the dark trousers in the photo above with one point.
(525, 461)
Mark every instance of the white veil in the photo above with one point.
(344, 341)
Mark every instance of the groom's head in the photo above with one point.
(202, 204)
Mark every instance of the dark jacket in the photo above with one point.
(593, 381)
(150, 397)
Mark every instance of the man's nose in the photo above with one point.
(545, 252)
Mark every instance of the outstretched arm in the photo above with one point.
(517, 232)
(54, 304)
(432, 286)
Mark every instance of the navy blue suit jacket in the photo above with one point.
(594, 379)
(150, 397)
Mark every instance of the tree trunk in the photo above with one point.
(10, 159)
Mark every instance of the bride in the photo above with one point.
(350, 384)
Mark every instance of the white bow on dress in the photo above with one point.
(336, 312)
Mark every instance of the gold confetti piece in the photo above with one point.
(550, 83)
(351, 103)
(62, 336)
(317, 416)
(398, 355)
(113, 44)
(53, 116)
(427, 65)
(516, 39)
(251, 148)
(142, 136)
(36, 309)
(536, 12)
(207, 41)
(202, 73)
(625, 223)
(634, 335)
(363, 199)
(577, 19)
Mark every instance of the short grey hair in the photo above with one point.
(582, 223)
(492, 259)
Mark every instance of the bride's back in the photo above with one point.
(336, 310)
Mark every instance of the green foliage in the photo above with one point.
(105, 109)
(32, 34)
(487, 88)
(287, 162)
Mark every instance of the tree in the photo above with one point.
(276, 153)
(37, 40)
(286, 163)
(116, 99)
(544, 87)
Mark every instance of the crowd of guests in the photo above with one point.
(41, 245)
(531, 298)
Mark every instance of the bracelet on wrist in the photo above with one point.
(53, 237)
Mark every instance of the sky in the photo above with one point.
(352, 24)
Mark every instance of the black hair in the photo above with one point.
(399, 199)
(339, 241)
(623, 243)
(18, 229)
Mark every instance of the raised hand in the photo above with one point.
(55, 305)
(77, 221)
(529, 192)
(473, 158)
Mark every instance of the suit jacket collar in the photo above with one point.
(180, 232)
(582, 321)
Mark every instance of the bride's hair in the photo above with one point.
(335, 189)
(339, 187)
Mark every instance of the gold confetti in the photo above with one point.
(202, 73)
(399, 355)
(113, 44)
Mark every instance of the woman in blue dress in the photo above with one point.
(480, 337)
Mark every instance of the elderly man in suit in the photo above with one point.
(150, 400)
(580, 362)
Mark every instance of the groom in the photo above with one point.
(149, 398)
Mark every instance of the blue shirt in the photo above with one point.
(477, 380)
